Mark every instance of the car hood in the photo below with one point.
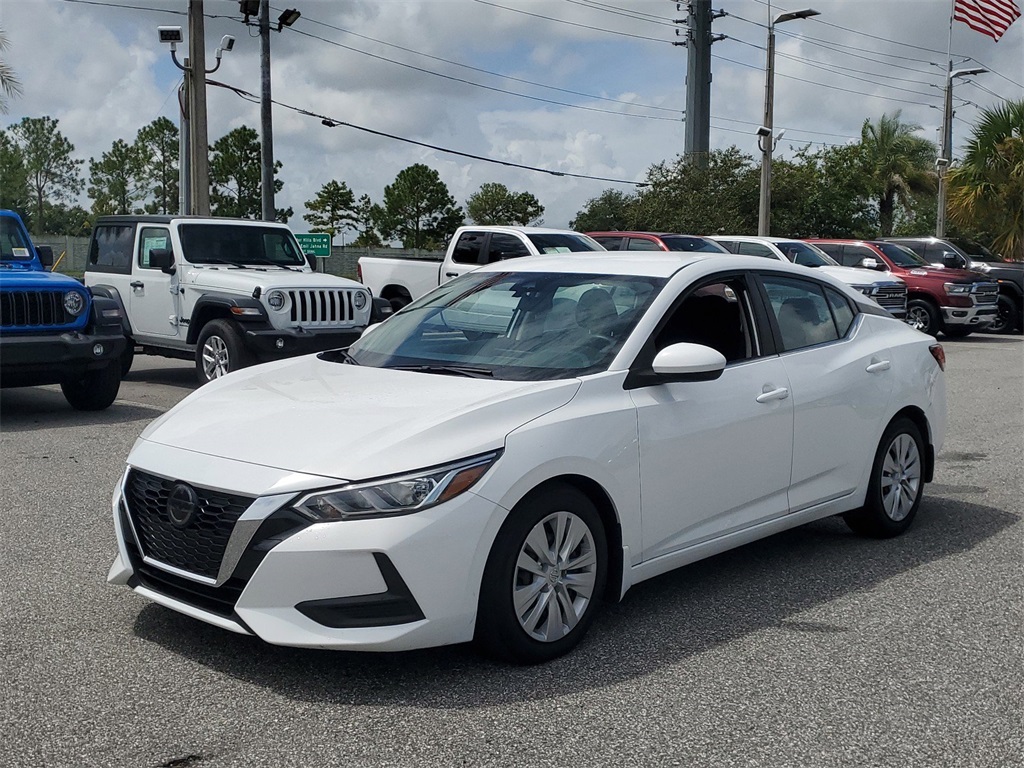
(351, 422)
(247, 279)
(955, 275)
(24, 274)
(854, 276)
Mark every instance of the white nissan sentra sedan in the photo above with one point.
(524, 442)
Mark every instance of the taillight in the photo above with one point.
(939, 354)
(359, 273)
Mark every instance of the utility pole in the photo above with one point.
(184, 149)
(266, 118)
(945, 158)
(697, 131)
(200, 149)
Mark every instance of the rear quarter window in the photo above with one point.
(111, 249)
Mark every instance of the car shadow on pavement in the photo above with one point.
(762, 586)
(33, 408)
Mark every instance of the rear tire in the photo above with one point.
(896, 485)
(544, 579)
(924, 316)
(94, 390)
(220, 351)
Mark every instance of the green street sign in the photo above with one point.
(315, 244)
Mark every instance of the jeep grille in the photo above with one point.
(27, 309)
(321, 308)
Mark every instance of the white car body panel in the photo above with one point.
(688, 469)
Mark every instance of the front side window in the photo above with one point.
(805, 254)
(901, 255)
(803, 314)
(516, 326)
(610, 243)
(853, 255)
(152, 238)
(754, 249)
(719, 315)
(240, 244)
(563, 243)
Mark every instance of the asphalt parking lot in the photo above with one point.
(814, 647)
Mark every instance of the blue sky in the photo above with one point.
(102, 73)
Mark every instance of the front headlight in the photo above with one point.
(359, 300)
(867, 290)
(276, 300)
(957, 287)
(396, 495)
(74, 303)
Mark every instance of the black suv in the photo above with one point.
(964, 254)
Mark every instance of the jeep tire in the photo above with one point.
(93, 390)
(220, 350)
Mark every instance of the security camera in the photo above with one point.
(170, 35)
(227, 43)
(763, 132)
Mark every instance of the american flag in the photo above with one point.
(990, 17)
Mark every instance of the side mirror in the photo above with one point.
(45, 255)
(870, 263)
(688, 362)
(953, 261)
(162, 259)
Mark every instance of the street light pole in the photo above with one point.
(946, 150)
(766, 139)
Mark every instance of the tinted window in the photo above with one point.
(842, 312)
(12, 243)
(111, 248)
(901, 255)
(467, 248)
(641, 244)
(805, 254)
(717, 315)
(976, 251)
(152, 238)
(693, 244)
(802, 312)
(754, 249)
(505, 246)
(853, 255)
(834, 250)
(610, 243)
(559, 243)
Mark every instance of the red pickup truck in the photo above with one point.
(955, 302)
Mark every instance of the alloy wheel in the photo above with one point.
(918, 318)
(216, 362)
(901, 477)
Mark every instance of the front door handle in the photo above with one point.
(879, 366)
(451, 274)
(138, 284)
(775, 394)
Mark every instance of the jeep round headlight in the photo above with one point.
(276, 300)
(359, 300)
(74, 303)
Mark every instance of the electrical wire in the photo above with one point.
(573, 23)
(623, 12)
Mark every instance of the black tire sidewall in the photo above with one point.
(871, 519)
(498, 628)
(94, 390)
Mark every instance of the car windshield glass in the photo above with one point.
(12, 242)
(520, 326)
(699, 244)
(563, 243)
(805, 254)
(977, 251)
(239, 244)
(900, 255)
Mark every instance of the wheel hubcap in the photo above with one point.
(554, 578)
(215, 358)
(918, 318)
(901, 477)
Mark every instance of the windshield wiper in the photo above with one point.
(269, 263)
(449, 370)
(338, 356)
(211, 260)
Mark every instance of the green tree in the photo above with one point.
(986, 191)
(496, 204)
(368, 236)
(157, 145)
(14, 189)
(899, 163)
(236, 176)
(52, 172)
(333, 209)
(9, 82)
(72, 220)
(418, 209)
(611, 210)
(117, 180)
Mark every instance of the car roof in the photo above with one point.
(524, 230)
(168, 218)
(754, 239)
(662, 264)
(631, 233)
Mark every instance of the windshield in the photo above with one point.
(976, 251)
(12, 242)
(240, 244)
(900, 255)
(693, 244)
(519, 326)
(806, 254)
(559, 243)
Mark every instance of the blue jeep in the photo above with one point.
(52, 330)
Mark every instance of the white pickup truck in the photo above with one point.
(400, 281)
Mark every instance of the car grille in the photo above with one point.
(985, 293)
(27, 309)
(891, 297)
(198, 547)
(321, 308)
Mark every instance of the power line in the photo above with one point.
(334, 122)
(622, 12)
(572, 23)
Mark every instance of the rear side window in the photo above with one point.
(505, 246)
(111, 249)
(610, 243)
(754, 249)
(467, 248)
(641, 244)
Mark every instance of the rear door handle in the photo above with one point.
(138, 284)
(878, 366)
(776, 394)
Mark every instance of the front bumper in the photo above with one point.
(274, 344)
(975, 317)
(387, 584)
(33, 359)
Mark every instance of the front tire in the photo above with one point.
(94, 390)
(896, 485)
(544, 577)
(220, 351)
(924, 316)
(1007, 316)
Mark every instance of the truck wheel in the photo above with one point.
(127, 357)
(220, 351)
(924, 316)
(1007, 316)
(93, 390)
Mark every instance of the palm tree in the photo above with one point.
(898, 163)
(986, 191)
(9, 82)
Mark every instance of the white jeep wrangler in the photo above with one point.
(226, 292)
